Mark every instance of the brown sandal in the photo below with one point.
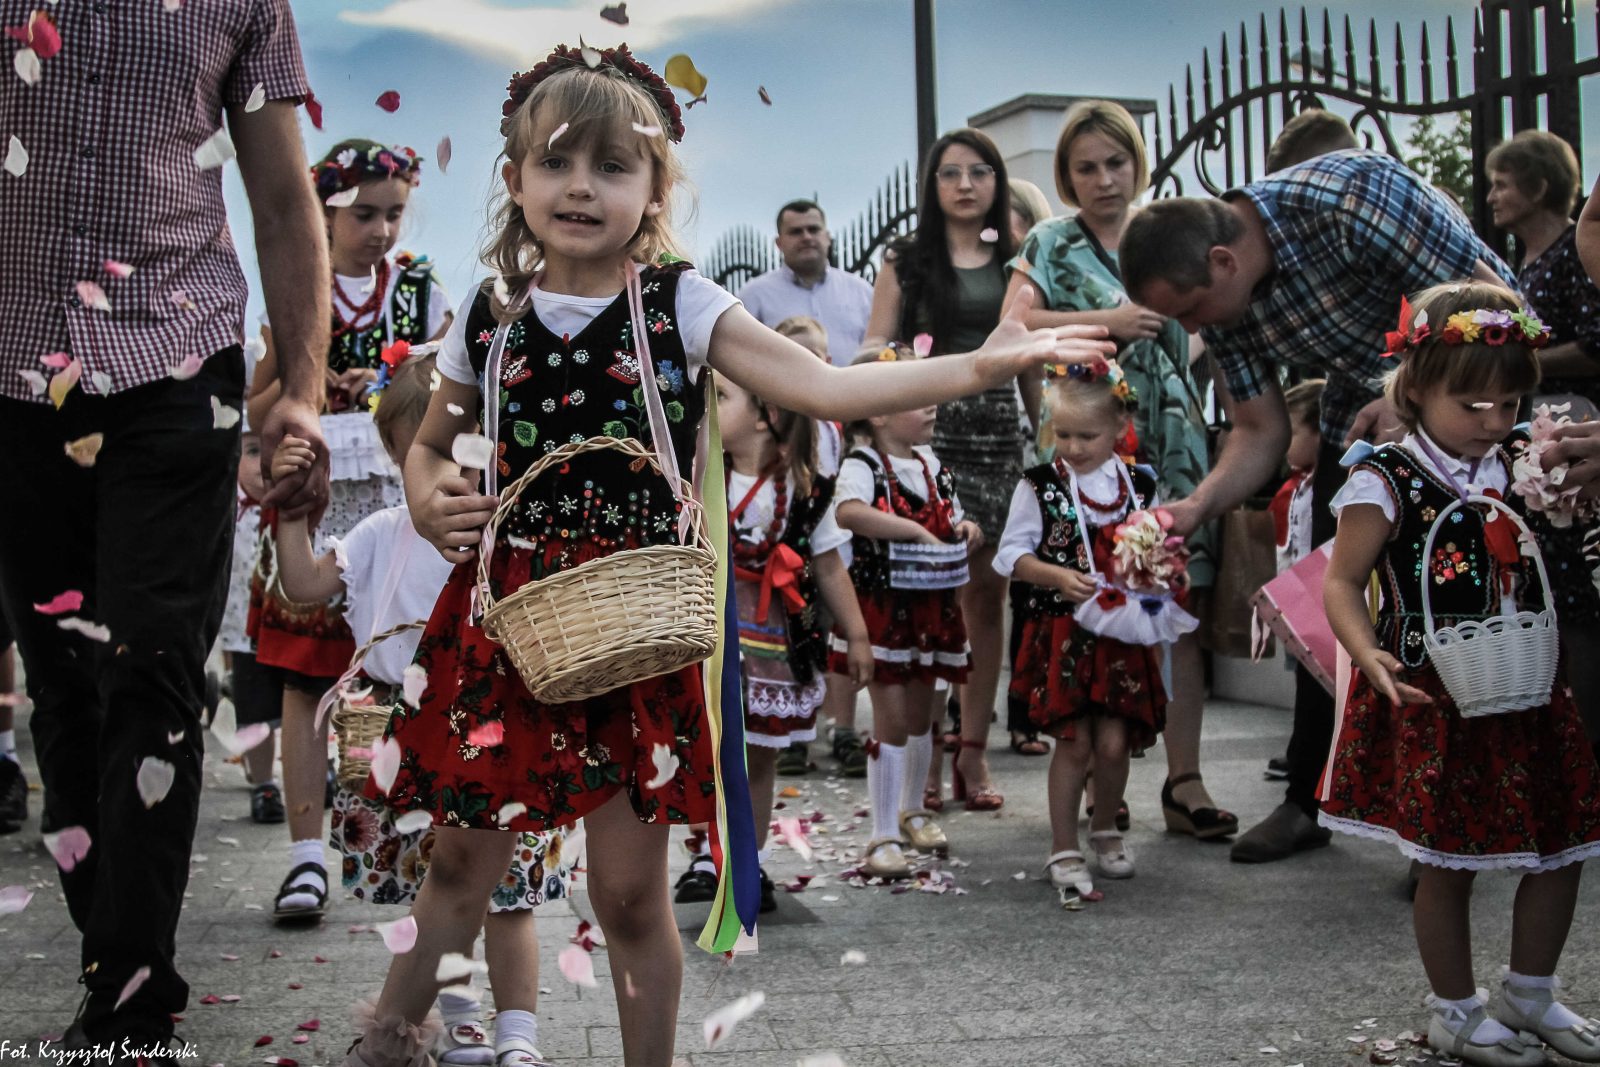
(986, 799)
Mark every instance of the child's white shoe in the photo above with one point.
(1472, 1036)
(923, 831)
(885, 859)
(1534, 1008)
(519, 1053)
(1068, 871)
(466, 1044)
(1114, 861)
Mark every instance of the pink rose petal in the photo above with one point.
(93, 297)
(61, 603)
(577, 966)
(13, 898)
(400, 936)
(792, 832)
(56, 360)
(385, 763)
(989, 235)
(310, 1025)
(68, 846)
(486, 735)
(154, 779)
(188, 368)
(441, 154)
(922, 344)
(389, 101)
(117, 269)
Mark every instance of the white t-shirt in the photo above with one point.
(385, 552)
(356, 287)
(1025, 523)
(855, 479)
(752, 523)
(700, 301)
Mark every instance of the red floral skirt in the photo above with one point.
(310, 639)
(559, 761)
(1067, 674)
(916, 637)
(1511, 790)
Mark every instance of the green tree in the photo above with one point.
(1443, 155)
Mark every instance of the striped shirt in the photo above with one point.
(1351, 232)
(110, 131)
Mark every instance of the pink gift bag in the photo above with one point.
(1290, 608)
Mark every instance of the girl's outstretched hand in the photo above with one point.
(292, 454)
(453, 516)
(1013, 348)
(1384, 671)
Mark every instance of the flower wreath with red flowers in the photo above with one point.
(1094, 370)
(586, 58)
(1494, 327)
(352, 167)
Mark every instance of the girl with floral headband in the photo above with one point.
(1515, 790)
(582, 247)
(1100, 696)
(382, 303)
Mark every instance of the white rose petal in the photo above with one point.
(26, 63)
(472, 450)
(16, 158)
(217, 150)
(720, 1024)
(223, 417)
(413, 821)
(258, 97)
(154, 780)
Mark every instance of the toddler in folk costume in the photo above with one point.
(785, 566)
(548, 355)
(1100, 696)
(893, 491)
(1515, 790)
(390, 577)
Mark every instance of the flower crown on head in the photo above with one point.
(586, 58)
(1096, 369)
(1494, 327)
(352, 167)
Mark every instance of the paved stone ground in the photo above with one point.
(1195, 961)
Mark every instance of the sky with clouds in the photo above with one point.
(839, 72)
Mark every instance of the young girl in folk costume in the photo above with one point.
(785, 565)
(381, 304)
(1515, 790)
(1100, 697)
(589, 173)
(391, 577)
(893, 490)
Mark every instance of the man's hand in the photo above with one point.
(1378, 421)
(304, 491)
(1187, 516)
(1578, 446)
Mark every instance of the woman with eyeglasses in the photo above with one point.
(947, 280)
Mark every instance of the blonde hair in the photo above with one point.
(1468, 367)
(795, 325)
(1110, 120)
(1304, 401)
(895, 352)
(599, 106)
(405, 399)
(1028, 200)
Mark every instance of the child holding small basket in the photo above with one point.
(1458, 740)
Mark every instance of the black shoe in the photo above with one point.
(794, 761)
(266, 804)
(851, 753)
(769, 894)
(1207, 824)
(13, 796)
(697, 885)
(1278, 768)
(1283, 833)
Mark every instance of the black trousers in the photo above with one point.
(1313, 705)
(145, 535)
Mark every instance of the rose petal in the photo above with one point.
(413, 683)
(399, 936)
(559, 130)
(186, 369)
(26, 64)
(792, 832)
(257, 97)
(16, 163)
(509, 811)
(389, 101)
(180, 299)
(68, 846)
(223, 417)
(453, 965)
(310, 1025)
(36, 381)
(93, 631)
(472, 450)
(854, 956)
(215, 151)
(577, 966)
(13, 898)
(989, 235)
(64, 382)
(720, 1024)
(263, 1041)
(344, 198)
(666, 765)
(486, 735)
(922, 344)
(766, 98)
(647, 131)
(61, 603)
(617, 13)
(385, 763)
(154, 780)
(117, 269)
(441, 154)
(413, 822)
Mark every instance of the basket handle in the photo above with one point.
(357, 660)
(693, 517)
(1433, 533)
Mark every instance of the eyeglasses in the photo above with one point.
(978, 173)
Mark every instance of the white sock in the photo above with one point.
(514, 1026)
(306, 852)
(1453, 1013)
(1557, 1015)
(8, 745)
(886, 774)
(457, 1008)
(919, 757)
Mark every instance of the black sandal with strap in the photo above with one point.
(314, 911)
(1206, 824)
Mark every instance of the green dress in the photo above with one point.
(1073, 273)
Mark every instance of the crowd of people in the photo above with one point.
(841, 486)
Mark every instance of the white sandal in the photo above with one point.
(1521, 1050)
(1068, 871)
(519, 1053)
(1113, 863)
(1579, 1042)
(464, 1045)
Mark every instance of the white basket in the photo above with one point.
(917, 566)
(1504, 663)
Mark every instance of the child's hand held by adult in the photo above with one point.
(293, 454)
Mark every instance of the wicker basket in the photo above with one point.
(357, 727)
(1504, 663)
(607, 623)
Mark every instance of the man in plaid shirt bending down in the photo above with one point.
(119, 284)
(1304, 268)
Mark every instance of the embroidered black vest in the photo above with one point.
(408, 309)
(1462, 579)
(869, 562)
(1062, 544)
(556, 390)
(808, 644)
